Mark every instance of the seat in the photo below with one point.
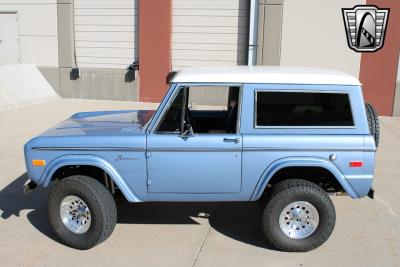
(230, 119)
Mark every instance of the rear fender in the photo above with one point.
(301, 162)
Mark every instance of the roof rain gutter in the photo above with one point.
(253, 32)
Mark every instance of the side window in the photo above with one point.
(208, 98)
(202, 109)
(171, 121)
(303, 109)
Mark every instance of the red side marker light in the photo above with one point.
(356, 164)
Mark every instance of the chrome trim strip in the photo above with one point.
(352, 177)
(88, 149)
(194, 149)
(135, 149)
(306, 149)
(199, 149)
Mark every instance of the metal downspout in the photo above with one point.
(253, 32)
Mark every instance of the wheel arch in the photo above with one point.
(92, 161)
(290, 162)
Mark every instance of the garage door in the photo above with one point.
(209, 32)
(106, 33)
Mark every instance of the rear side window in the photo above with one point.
(303, 109)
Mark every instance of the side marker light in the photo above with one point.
(356, 164)
(38, 162)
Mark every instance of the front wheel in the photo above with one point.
(298, 217)
(82, 212)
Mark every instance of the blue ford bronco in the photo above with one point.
(288, 138)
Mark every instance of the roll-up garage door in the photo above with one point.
(209, 32)
(106, 33)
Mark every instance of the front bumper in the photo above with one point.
(29, 186)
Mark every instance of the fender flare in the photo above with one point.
(89, 160)
(279, 164)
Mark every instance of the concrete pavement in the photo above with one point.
(187, 234)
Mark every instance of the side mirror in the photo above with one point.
(187, 131)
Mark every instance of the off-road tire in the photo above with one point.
(101, 205)
(290, 191)
(373, 122)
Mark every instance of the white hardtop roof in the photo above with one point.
(261, 74)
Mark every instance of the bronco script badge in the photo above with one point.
(365, 27)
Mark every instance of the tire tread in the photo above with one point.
(285, 190)
(373, 122)
(106, 204)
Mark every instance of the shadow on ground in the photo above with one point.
(13, 201)
(240, 221)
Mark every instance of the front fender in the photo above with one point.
(89, 160)
(301, 162)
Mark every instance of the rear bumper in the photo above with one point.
(371, 193)
(29, 186)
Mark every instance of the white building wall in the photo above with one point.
(313, 35)
(209, 32)
(106, 33)
(37, 29)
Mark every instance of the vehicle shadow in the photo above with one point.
(237, 220)
(240, 221)
(13, 201)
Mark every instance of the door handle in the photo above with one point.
(232, 140)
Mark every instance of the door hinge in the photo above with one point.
(148, 183)
(148, 154)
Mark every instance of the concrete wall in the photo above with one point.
(313, 34)
(98, 84)
(37, 29)
(269, 32)
(17, 92)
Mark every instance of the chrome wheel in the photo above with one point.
(299, 220)
(75, 214)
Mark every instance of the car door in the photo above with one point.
(197, 163)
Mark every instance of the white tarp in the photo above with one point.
(23, 84)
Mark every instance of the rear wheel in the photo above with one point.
(299, 216)
(82, 212)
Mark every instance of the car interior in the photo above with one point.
(202, 110)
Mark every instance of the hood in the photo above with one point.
(103, 123)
